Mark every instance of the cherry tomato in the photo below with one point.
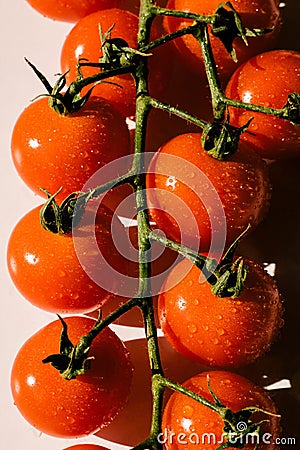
(51, 151)
(71, 10)
(134, 5)
(193, 197)
(51, 271)
(219, 331)
(77, 407)
(253, 82)
(255, 14)
(84, 42)
(187, 424)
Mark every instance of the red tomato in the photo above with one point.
(54, 275)
(187, 424)
(51, 151)
(84, 42)
(192, 195)
(134, 5)
(71, 10)
(218, 331)
(77, 407)
(254, 14)
(253, 82)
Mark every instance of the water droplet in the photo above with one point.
(85, 153)
(181, 303)
(188, 411)
(192, 327)
(220, 331)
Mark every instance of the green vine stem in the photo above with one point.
(201, 34)
(209, 19)
(176, 112)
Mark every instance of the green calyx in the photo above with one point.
(230, 275)
(59, 219)
(63, 103)
(220, 139)
(228, 25)
(116, 52)
(238, 430)
(73, 360)
(231, 279)
(291, 109)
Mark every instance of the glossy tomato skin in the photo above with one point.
(182, 175)
(71, 10)
(255, 14)
(201, 427)
(46, 268)
(71, 408)
(253, 82)
(222, 332)
(52, 151)
(83, 41)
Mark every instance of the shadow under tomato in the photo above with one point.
(277, 240)
(289, 35)
(132, 425)
(163, 260)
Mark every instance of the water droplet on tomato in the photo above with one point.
(181, 304)
(192, 327)
(188, 411)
